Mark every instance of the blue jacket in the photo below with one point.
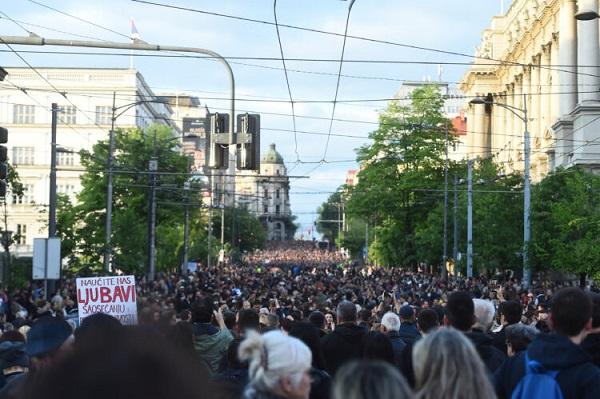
(578, 377)
(398, 346)
(409, 333)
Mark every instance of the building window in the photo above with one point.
(67, 115)
(277, 193)
(21, 238)
(65, 158)
(266, 193)
(23, 114)
(277, 209)
(26, 198)
(103, 115)
(265, 209)
(22, 155)
(65, 189)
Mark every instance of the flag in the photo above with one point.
(134, 32)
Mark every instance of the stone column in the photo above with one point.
(556, 83)
(479, 132)
(545, 119)
(567, 44)
(510, 119)
(588, 54)
(470, 130)
(536, 96)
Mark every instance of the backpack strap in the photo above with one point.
(535, 367)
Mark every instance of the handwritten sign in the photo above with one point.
(115, 296)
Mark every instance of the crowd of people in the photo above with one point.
(297, 322)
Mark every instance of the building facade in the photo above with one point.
(84, 119)
(537, 57)
(267, 195)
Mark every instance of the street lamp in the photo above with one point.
(109, 187)
(520, 113)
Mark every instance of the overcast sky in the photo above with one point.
(454, 25)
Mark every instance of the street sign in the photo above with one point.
(46, 258)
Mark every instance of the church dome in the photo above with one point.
(272, 156)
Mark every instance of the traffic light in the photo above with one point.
(248, 147)
(217, 140)
(3, 159)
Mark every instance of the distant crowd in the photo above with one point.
(295, 321)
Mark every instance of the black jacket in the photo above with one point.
(578, 377)
(398, 346)
(591, 346)
(345, 343)
(489, 354)
(409, 333)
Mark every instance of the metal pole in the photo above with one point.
(109, 189)
(445, 246)
(52, 202)
(186, 227)
(6, 240)
(469, 219)
(526, 202)
(455, 235)
(210, 221)
(222, 253)
(152, 167)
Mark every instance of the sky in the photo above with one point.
(261, 86)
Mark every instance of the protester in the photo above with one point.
(370, 380)
(591, 344)
(139, 365)
(377, 346)
(279, 366)
(390, 324)
(510, 313)
(320, 379)
(518, 338)
(13, 359)
(484, 315)
(408, 331)
(448, 367)
(427, 322)
(460, 314)
(346, 342)
(210, 342)
(578, 377)
(48, 340)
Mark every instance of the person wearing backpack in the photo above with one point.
(554, 365)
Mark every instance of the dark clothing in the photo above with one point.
(14, 387)
(211, 344)
(408, 332)
(591, 346)
(345, 343)
(398, 346)
(499, 340)
(490, 355)
(406, 366)
(232, 380)
(320, 385)
(578, 377)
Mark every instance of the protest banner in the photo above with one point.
(113, 295)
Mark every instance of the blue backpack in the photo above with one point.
(537, 383)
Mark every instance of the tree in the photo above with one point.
(566, 222)
(328, 217)
(401, 170)
(82, 226)
(249, 233)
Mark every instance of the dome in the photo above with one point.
(272, 156)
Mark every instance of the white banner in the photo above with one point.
(115, 296)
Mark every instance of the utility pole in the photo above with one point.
(152, 168)
(109, 190)
(210, 221)
(469, 218)
(445, 245)
(52, 202)
(186, 226)
(455, 236)
(526, 201)
(222, 253)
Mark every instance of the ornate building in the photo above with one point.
(267, 195)
(539, 57)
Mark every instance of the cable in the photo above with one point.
(337, 85)
(372, 40)
(79, 19)
(287, 80)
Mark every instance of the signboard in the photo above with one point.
(46, 258)
(192, 267)
(194, 126)
(114, 295)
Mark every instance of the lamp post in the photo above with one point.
(520, 113)
(109, 186)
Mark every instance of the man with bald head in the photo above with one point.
(346, 342)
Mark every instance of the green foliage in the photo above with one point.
(328, 214)
(245, 227)
(401, 166)
(566, 222)
(82, 226)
